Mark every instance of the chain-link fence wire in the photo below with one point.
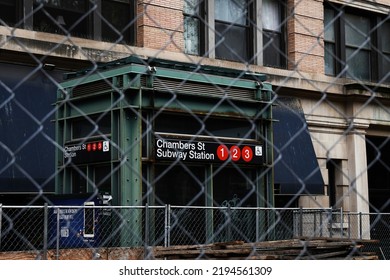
(41, 229)
(188, 225)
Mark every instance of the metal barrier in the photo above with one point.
(43, 228)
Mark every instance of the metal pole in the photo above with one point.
(45, 235)
(146, 243)
(321, 223)
(58, 234)
(349, 225)
(331, 223)
(257, 225)
(300, 221)
(341, 222)
(360, 226)
(229, 225)
(167, 225)
(1, 221)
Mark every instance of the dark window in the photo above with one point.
(233, 30)
(330, 42)
(274, 52)
(109, 20)
(384, 52)
(9, 12)
(118, 22)
(62, 17)
(334, 170)
(356, 44)
(378, 159)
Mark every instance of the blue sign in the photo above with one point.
(75, 222)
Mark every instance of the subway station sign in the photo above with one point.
(205, 151)
(88, 152)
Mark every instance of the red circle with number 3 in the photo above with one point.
(235, 153)
(222, 152)
(247, 154)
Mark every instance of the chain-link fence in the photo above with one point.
(42, 229)
(263, 120)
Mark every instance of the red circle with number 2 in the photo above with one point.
(235, 153)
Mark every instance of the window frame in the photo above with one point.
(381, 71)
(254, 35)
(282, 48)
(202, 27)
(11, 19)
(43, 23)
(335, 43)
(341, 46)
(26, 13)
(130, 35)
(248, 26)
(358, 50)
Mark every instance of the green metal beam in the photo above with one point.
(95, 75)
(130, 189)
(205, 78)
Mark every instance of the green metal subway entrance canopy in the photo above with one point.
(121, 126)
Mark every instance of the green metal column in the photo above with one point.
(270, 218)
(269, 156)
(115, 183)
(130, 189)
(264, 183)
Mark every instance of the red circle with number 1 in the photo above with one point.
(235, 153)
(247, 154)
(222, 152)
